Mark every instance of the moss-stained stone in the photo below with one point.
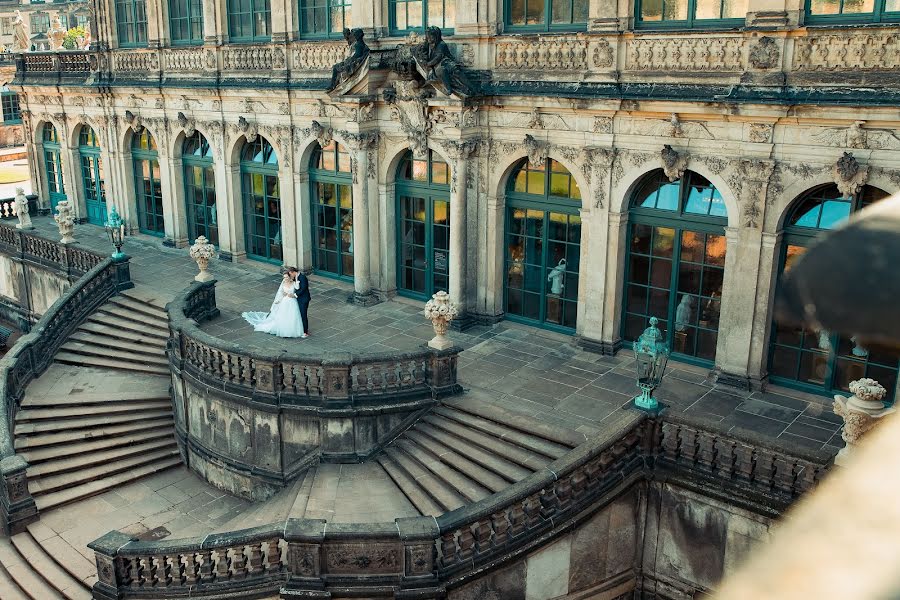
(504, 584)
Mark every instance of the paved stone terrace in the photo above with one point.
(535, 371)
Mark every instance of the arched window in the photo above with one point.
(199, 188)
(324, 18)
(131, 22)
(331, 190)
(147, 184)
(92, 175)
(543, 245)
(249, 20)
(262, 201)
(53, 165)
(423, 225)
(676, 263)
(186, 21)
(819, 361)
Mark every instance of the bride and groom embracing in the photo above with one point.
(287, 316)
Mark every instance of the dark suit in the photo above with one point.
(303, 299)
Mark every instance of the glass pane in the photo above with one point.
(675, 10)
(651, 10)
(858, 6)
(709, 9)
(734, 9)
(414, 15)
(517, 14)
(580, 11)
(436, 12)
(559, 184)
(534, 12)
(668, 196)
(833, 213)
(560, 11)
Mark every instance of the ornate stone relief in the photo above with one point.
(319, 56)
(134, 121)
(356, 142)
(713, 163)
(537, 151)
(257, 59)
(322, 134)
(186, 60)
(851, 50)
(673, 163)
(760, 133)
(685, 54)
(134, 101)
(856, 136)
(597, 165)
(134, 61)
(556, 52)
(749, 181)
(409, 107)
(849, 175)
(672, 127)
(187, 125)
(284, 108)
(460, 150)
(602, 125)
(247, 129)
(764, 54)
(602, 55)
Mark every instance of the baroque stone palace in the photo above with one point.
(579, 166)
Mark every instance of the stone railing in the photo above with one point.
(423, 553)
(69, 260)
(33, 353)
(61, 64)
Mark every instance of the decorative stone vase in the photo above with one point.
(22, 210)
(440, 311)
(861, 412)
(201, 252)
(65, 220)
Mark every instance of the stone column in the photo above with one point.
(224, 209)
(767, 280)
(70, 181)
(613, 285)
(303, 222)
(288, 216)
(283, 20)
(177, 202)
(386, 277)
(489, 300)
(603, 15)
(230, 196)
(170, 217)
(215, 24)
(460, 153)
(362, 147)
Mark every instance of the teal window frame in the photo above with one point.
(395, 29)
(53, 169)
(266, 170)
(681, 221)
(879, 14)
(92, 180)
(237, 9)
(197, 157)
(545, 202)
(548, 25)
(189, 19)
(147, 190)
(691, 22)
(431, 189)
(310, 31)
(329, 168)
(131, 23)
(12, 113)
(804, 236)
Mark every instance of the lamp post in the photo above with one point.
(115, 229)
(650, 358)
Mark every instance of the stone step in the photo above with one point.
(129, 303)
(9, 589)
(470, 490)
(98, 486)
(127, 335)
(26, 578)
(27, 415)
(66, 437)
(37, 456)
(410, 488)
(105, 352)
(150, 388)
(139, 318)
(301, 500)
(128, 327)
(68, 463)
(498, 465)
(69, 358)
(71, 560)
(475, 405)
(470, 469)
(551, 450)
(55, 575)
(150, 296)
(511, 452)
(92, 422)
(444, 495)
(53, 483)
(149, 346)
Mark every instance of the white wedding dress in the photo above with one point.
(283, 318)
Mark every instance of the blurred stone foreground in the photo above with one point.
(843, 540)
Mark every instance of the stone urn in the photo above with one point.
(440, 311)
(201, 252)
(65, 220)
(861, 412)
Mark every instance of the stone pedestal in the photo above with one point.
(861, 412)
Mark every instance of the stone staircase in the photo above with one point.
(36, 566)
(127, 333)
(465, 450)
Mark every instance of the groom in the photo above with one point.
(301, 287)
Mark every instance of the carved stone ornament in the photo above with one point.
(861, 412)
(359, 54)
(65, 220)
(673, 164)
(322, 134)
(764, 54)
(134, 121)
(438, 66)
(249, 130)
(537, 151)
(187, 125)
(409, 106)
(849, 175)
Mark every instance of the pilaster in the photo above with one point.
(460, 153)
(360, 146)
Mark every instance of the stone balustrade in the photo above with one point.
(423, 553)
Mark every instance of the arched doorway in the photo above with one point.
(423, 225)
(92, 175)
(53, 166)
(819, 361)
(676, 263)
(147, 184)
(331, 191)
(543, 246)
(262, 201)
(199, 188)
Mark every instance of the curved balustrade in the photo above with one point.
(101, 278)
(423, 552)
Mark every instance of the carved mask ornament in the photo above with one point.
(186, 124)
(248, 129)
(537, 151)
(322, 134)
(849, 175)
(673, 164)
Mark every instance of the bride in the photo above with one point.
(283, 318)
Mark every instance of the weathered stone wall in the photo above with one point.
(26, 290)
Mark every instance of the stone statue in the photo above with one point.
(557, 277)
(359, 52)
(20, 34)
(56, 34)
(65, 220)
(22, 210)
(439, 67)
(684, 313)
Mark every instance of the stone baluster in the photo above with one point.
(223, 564)
(449, 550)
(207, 575)
(273, 556)
(163, 571)
(191, 569)
(239, 562)
(725, 457)
(254, 562)
(466, 543)
(764, 468)
(483, 534)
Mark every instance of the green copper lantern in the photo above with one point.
(650, 357)
(115, 229)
